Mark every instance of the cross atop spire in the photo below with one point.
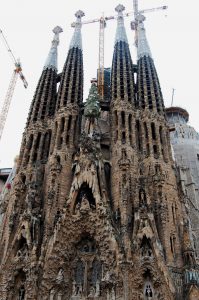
(143, 46)
(76, 41)
(51, 61)
(121, 32)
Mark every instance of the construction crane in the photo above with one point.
(17, 72)
(136, 13)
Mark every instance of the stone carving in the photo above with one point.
(60, 276)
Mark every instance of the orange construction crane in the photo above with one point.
(17, 72)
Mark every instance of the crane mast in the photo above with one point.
(16, 73)
(6, 104)
(134, 23)
(100, 81)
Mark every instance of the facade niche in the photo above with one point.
(21, 247)
(146, 249)
(123, 137)
(19, 283)
(148, 287)
(142, 198)
(86, 245)
(85, 200)
(79, 279)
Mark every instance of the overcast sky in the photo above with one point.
(172, 34)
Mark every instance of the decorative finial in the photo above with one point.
(76, 41)
(51, 62)
(143, 46)
(119, 8)
(57, 30)
(79, 14)
(121, 32)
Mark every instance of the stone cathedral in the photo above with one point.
(95, 210)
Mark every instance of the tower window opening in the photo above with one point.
(123, 118)
(36, 147)
(138, 135)
(171, 244)
(153, 131)
(123, 137)
(46, 145)
(116, 118)
(29, 147)
(155, 151)
(69, 123)
(130, 123)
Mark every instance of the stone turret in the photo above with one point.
(149, 91)
(44, 101)
(71, 85)
(35, 145)
(122, 77)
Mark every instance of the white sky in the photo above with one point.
(172, 34)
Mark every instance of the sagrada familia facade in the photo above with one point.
(95, 210)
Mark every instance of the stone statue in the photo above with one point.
(148, 292)
(22, 293)
(97, 289)
(60, 276)
(85, 206)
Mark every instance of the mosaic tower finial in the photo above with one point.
(76, 41)
(121, 32)
(143, 46)
(51, 62)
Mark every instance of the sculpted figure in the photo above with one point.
(60, 276)
(85, 206)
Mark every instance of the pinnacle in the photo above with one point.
(119, 8)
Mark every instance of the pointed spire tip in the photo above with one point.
(76, 41)
(121, 32)
(51, 62)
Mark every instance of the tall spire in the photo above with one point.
(44, 101)
(143, 46)
(51, 61)
(150, 97)
(122, 76)
(76, 41)
(121, 32)
(71, 85)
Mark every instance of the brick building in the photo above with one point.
(96, 211)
